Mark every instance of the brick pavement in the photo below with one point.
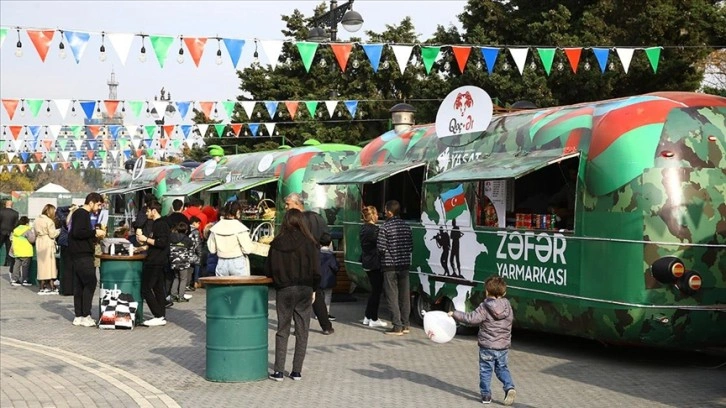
(164, 366)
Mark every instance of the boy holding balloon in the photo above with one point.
(494, 317)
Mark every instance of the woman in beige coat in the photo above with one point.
(45, 247)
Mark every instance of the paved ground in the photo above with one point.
(47, 362)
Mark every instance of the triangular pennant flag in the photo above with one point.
(132, 130)
(54, 131)
(271, 108)
(207, 108)
(111, 107)
(161, 45)
(176, 143)
(573, 55)
(162, 142)
(136, 107)
(249, 107)
(185, 130)
(92, 145)
(15, 130)
(34, 105)
(62, 143)
(150, 152)
(547, 55)
(429, 55)
(48, 143)
(41, 40)
(127, 154)
(312, 107)
(520, 57)
(292, 108)
(270, 126)
(183, 108)
(32, 166)
(65, 155)
(89, 107)
(44, 165)
(352, 107)
(91, 153)
(169, 130)
(77, 41)
(121, 42)
(203, 129)
(236, 128)
(461, 54)
(160, 107)
(490, 55)
(195, 45)
(219, 128)
(253, 128)
(626, 55)
(272, 49)
(653, 54)
(24, 156)
(62, 106)
(34, 130)
(342, 53)
(19, 144)
(307, 52)
(234, 48)
(76, 130)
(229, 108)
(122, 143)
(331, 105)
(3, 34)
(402, 54)
(22, 167)
(10, 106)
(107, 143)
(135, 142)
(150, 130)
(373, 51)
(114, 154)
(602, 57)
(11, 156)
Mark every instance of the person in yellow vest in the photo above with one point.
(22, 247)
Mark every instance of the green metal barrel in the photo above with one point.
(236, 328)
(124, 273)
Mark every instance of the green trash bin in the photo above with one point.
(236, 328)
(123, 272)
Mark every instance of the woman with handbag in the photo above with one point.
(371, 265)
(45, 247)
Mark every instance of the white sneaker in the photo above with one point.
(366, 321)
(77, 321)
(377, 323)
(157, 321)
(43, 292)
(187, 297)
(88, 322)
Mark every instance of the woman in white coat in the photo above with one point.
(45, 248)
(230, 239)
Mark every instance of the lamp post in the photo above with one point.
(351, 20)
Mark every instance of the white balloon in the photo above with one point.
(439, 326)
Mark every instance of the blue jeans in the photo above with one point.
(493, 360)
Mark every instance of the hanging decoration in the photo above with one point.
(307, 53)
(41, 40)
(373, 51)
(234, 48)
(342, 53)
(402, 54)
(77, 41)
(429, 54)
(461, 54)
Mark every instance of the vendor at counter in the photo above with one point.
(562, 203)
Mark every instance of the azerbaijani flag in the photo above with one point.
(454, 202)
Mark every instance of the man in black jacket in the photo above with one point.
(81, 245)
(157, 258)
(8, 222)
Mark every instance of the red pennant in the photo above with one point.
(206, 108)
(111, 107)
(108, 143)
(38, 157)
(163, 141)
(10, 106)
(236, 128)
(139, 152)
(22, 167)
(41, 40)
(15, 130)
(94, 130)
(66, 165)
(573, 55)
(48, 143)
(195, 47)
(292, 108)
(90, 154)
(342, 53)
(169, 129)
(462, 55)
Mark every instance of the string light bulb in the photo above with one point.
(218, 60)
(102, 55)
(478, 65)
(356, 64)
(142, 56)
(385, 65)
(323, 62)
(587, 66)
(19, 46)
(255, 57)
(560, 66)
(180, 57)
(447, 66)
(62, 47)
(47, 109)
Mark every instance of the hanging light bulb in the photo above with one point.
(73, 110)
(560, 66)
(532, 66)
(478, 65)
(218, 60)
(123, 107)
(19, 47)
(62, 47)
(102, 55)
(22, 107)
(255, 57)
(611, 66)
(385, 65)
(180, 57)
(142, 56)
(447, 66)
(47, 109)
(356, 64)
(323, 62)
(505, 67)
(587, 66)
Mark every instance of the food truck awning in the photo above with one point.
(501, 166)
(129, 189)
(191, 187)
(244, 184)
(369, 174)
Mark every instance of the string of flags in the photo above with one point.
(96, 108)
(163, 45)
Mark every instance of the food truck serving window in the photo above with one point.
(191, 187)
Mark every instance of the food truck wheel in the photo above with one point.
(461, 329)
(421, 303)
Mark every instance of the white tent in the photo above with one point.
(52, 188)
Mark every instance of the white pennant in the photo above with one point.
(135, 141)
(65, 154)
(520, 57)
(626, 55)
(11, 155)
(43, 165)
(160, 107)
(203, 129)
(121, 42)
(84, 163)
(331, 105)
(62, 106)
(249, 107)
(403, 54)
(54, 131)
(19, 143)
(114, 154)
(272, 49)
(270, 128)
(131, 130)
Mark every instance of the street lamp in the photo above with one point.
(351, 20)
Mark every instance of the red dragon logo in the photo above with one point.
(463, 102)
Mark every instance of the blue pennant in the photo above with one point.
(352, 107)
(114, 130)
(183, 108)
(34, 130)
(234, 48)
(54, 165)
(88, 108)
(602, 57)
(92, 144)
(253, 128)
(373, 51)
(78, 154)
(97, 163)
(271, 108)
(24, 156)
(185, 130)
(490, 57)
(127, 154)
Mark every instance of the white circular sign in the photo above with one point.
(467, 109)
(209, 167)
(139, 167)
(265, 163)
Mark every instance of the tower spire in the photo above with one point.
(112, 86)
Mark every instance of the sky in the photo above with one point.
(28, 77)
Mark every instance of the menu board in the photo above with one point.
(496, 191)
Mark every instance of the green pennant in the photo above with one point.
(77, 129)
(149, 153)
(312, 107)
(103, 154)
(52, 155)
(229, 108)
(161, 46)
(34, 105)
(136, 107)
(219, 129)
(2, 145)
(150, 130)
(429, 54)
(547, 55)
(32, 166)
(176, 143)
(653, 54)
(75, 164)
(307, 52)
(123, 143)
(3, 34)
(63, 143)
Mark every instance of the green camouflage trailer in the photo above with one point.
(607, 219)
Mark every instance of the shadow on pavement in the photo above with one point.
(192, 357)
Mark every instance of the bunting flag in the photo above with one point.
(461, 54)
(219, 129)
(195, 45)
(161, 46)
(10, 106)
(490, 57)
(34, 105)
(292, 108)
(342, 53)
(373, 51)
(121, 43)
(429, 54)
(62, 106)
(236, 128)
(547, 56)
(626, 55)
(185, 130)
(169, 130)
(653, 54)
(352, 107)
(160, 107)
(54, 131)
(203, 127)
(402, 54)
(573, 55)
(249, 108)
(331, 105)
(88, 108)
(41, 40)
(253, 128)
(78, 42)
(271, 108)
(519, 55)
(234, 48)
(3, 34)
(228, 107)
(207, 108)
(601, 54)
(270, 128)
(307, 53)
(136, 107)
(183, 108)
(93, 130)
(272, 50)
(35, 131)
(150, 130)
(111, 106)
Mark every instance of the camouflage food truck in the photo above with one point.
(607, 219)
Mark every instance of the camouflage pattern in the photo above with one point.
(651, 183)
